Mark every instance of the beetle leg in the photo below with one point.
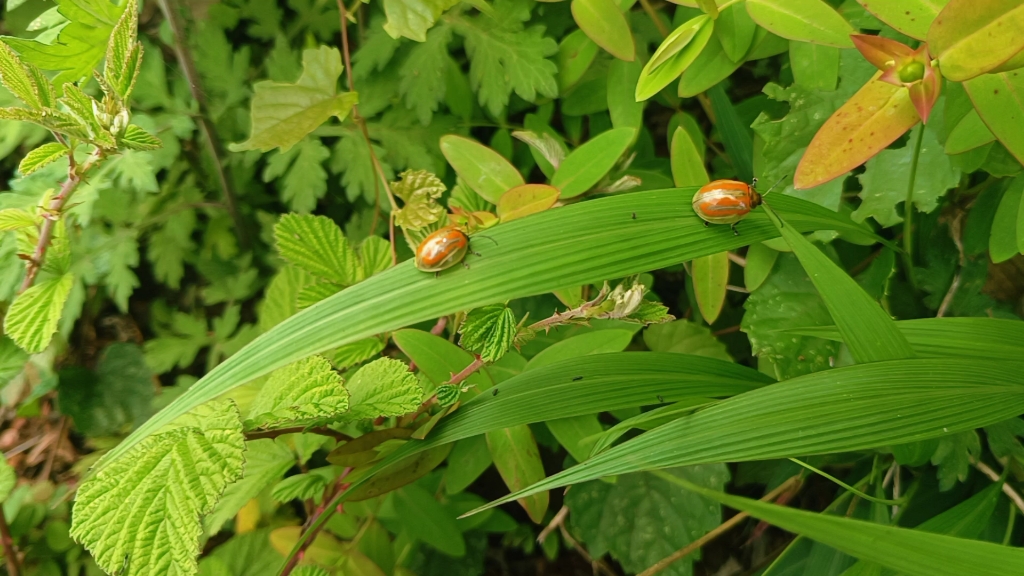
(464, 265)
(475, 253)
(437, 274)
(734, 230)
(706, 224)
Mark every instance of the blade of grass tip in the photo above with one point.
(869, 332)
(897, 502)
(911, 552)
(736, 137)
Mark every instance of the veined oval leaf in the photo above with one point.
(601, 238)
(873, 118)
(575, 54)
(585, 166)
(710, 276)
(525, 200)
(968, 134)
(686, 160)
(803, 20)
(760, 260)
(674, 55)
(858, 407)
(971, 37)
(735, 30)
(911, 17)
(999, 100)
(485, 171)
(604, 23)
(41, 156)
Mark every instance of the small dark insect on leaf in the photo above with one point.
(634, 215)
(577, 378)
(494, 392)
(660, 398)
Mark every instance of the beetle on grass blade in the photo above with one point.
(443, 249)
(727, 201)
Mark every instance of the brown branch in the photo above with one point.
(321, 430)
(721, 529)
(1007, 489)
(597, 565)
(213, 144)
(10, 550)
(53, 211)
(361, 123)
(555, 523)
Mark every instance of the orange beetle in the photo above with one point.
(442, 249)
(725, 202)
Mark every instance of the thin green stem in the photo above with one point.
(908, 209)
(863, 495)
(1009, 524)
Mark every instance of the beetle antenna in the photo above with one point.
(777, 182)
(488, 237)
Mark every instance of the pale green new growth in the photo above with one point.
(266, 461)
(384, 387)
(135, 138)
(145, 508)
(15, 219)
(41, 156)
(489, 331)
(316, 244)
(283, 114)
(32, 319)
(124, 54)
(8, 478)
(304, 393)
(16, 79)
(419, 190)
(309, 486)
(412, 18)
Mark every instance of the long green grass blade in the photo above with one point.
(994, 338)
(577, 244)
(910, 552)
(867, 329)
(852, 408)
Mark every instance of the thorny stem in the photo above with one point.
(721, 529)
(10, 550)
(321, 430)
(466, 372)
(563, 317)
(213, 144)
(361, 122)
(908, 210)
(53, 213)
(311, 523)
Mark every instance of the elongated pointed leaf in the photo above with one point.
(605, 24)
(873, 118)
(674, 55)
(687, 160)
(845, 409)
(999, 100)
(803, 20)
(485, 171)
(710, 276)
(585, 166)
(760, 260)
(993, 338)
(525, 200)
(602, 238)
(911, 17)
(735, 29)
(711, 67)
(968, 134)
(867, 329)
(971, 37)
(735, 134)
(517, 458)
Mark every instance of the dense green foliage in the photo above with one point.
(221, 355)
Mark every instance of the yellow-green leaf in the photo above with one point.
(911, 17)
(687, 160)
(873, 118)
(604, 23)
(710, 276)
(585, 166)
(45, 154)
(15, 219)
(525, 200)
(999, 100)
(485, 171)
(968, 134)
(970, 37)
(674, 55)
(32, 319)
(803, 20)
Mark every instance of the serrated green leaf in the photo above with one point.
(15, 219)
(423, 83)
(169, 482)
(135, 138)
(309, 570)
(375, 255)
(266, 461)
(31, 321)
(309, 486)
(83, 108)
(419, 190)
(954, 456)
(283, 114)
(489, 331)
(641, 518)
(114, 399)
(301, 394)
(41, 156)
(304, 180)
(15, 77)
(316, 244)
(313, 293)
(124, 53)
(357, 352)
(384, 387)
(281, 296)
(8, 478)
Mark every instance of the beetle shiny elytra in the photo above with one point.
(725, 202)
(442, 249)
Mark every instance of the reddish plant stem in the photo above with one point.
(466, 372)
(321, 430)
(562, 317)
(332, 492)
(10, 550)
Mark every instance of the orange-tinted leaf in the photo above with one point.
(873, 118)
(924, 94)
(971, 37)
(1011, 64)
(880, 51)
(525, 200)
(999, 100)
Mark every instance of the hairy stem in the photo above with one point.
(908, 210)
(321, 430)
(574, 313)
(361, 122)
(213, 145)
(10, 550)
(53, 213)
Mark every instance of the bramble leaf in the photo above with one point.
(412, 18)
(135, 138)
(8, 478)
(32, 319)
(16, 78)
(419, 190)
(954, 456)
(266, 461)
(146, 507)
(305, 393)
(316, 244)
(384, 387)
(489, 331)
(305, 180)
(124, 53)
(45, 154)
(112, 400)
(307, 486)
(283, 114)
(15, 219)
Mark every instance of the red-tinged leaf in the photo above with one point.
(924, 94)
(999, 100)
(873, 118)
(882, 52)
(971, 37)
(604, 23)
(525, 200)
(911, 17)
